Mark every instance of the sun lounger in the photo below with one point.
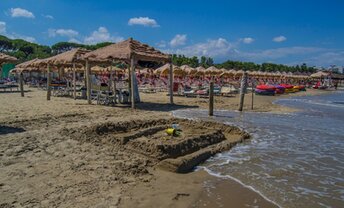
(228, 91)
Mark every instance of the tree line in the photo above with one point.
(206, 62)
(24, 50)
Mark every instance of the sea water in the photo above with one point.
(295, 159)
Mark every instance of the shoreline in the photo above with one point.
(43, 166)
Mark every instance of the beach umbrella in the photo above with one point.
(189, 70)
(4, 58)
(212, 70)
(320, 74)
(239, 73)
(200, 71)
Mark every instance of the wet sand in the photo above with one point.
(43, 166)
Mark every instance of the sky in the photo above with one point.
(277, 31)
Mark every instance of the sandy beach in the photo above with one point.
(51, 157)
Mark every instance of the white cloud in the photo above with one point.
(63, 32)
(101, 35)
(2, 27)
(3, 31)
(24, 37)
(19, 12)
(178, 40)
(214, 48)
(48, 16)
(279, 39)
(145, 21)
(161, 44)
(74, 40)
(247, 40)
(327, 58)
(273, 54)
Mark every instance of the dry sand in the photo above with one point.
(47, 161)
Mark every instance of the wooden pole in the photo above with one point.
(114, 83)
(74, 81)
(21, 83)
(129, 81)
(252, 93)
(132, 71)
(211, 98)
(48, 83)
(243, 90)
(171, 81)
(88, 82)
(85, 78)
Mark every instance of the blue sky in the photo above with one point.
(288, 32)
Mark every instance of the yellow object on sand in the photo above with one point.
(170, 131)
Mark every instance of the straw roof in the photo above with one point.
(212, 70)
(200, 71)
(165, 69)
(27, 63)
(188, 69)
(240, 72)
(319, 74)
(63, 59)
(124, 50)
(160, 69)
(6, 58)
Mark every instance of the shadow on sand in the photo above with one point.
(162, 107)
(14, 91)
(10, 130)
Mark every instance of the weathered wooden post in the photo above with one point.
(88, 82)
(129, 81)
(171, 80)
(253, 86)
(48, 83)
(132, 71)
(243, 87)
(211, 98)
(21, 83)
(74, 81)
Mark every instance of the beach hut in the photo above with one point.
(129, 51)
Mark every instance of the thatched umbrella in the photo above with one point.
(200, 71)
(320, 74)
(239, 73)
(188, 69)
(162, 68)
(213, 71)
(4, 58)
(70, 58)
(129, 51)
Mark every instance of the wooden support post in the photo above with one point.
(74, 81)
(243, 90)
(114, 85)
(48, 83)
(211, 98)
(253, 87)
(88, 82)
(129, 81)
(85, 78)
(132, 71)
(171, 81)
(21, 83)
